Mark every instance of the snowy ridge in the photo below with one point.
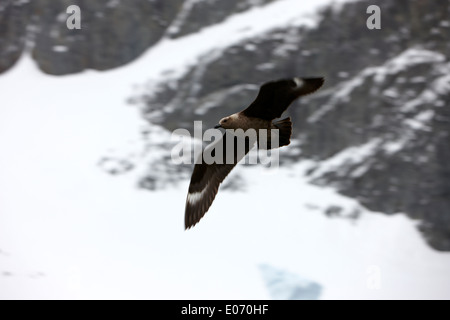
(409, 58)
(176, 56)
(216, 99)
(345, 161)
(412, 119)
(182, 15)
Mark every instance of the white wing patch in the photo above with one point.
(298, 82)
(197, 196)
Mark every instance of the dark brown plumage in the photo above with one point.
(275, 97)
(272, 100)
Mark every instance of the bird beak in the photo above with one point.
(218, 126)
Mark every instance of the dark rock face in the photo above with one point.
(13, 24)
(113, 32)
(398, 113)
(378, 130)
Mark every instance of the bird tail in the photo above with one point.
(285, 130)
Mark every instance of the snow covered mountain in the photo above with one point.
(113, 32)
(373, 142)
(378, 131)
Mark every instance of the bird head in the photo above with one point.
(227, 122)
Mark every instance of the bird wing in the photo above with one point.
(275, 97)
(206, 178)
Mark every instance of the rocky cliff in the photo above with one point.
(113, 32)
(378, 131)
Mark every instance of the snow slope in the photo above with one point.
(68, 230)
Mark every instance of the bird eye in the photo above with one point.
(225, 120)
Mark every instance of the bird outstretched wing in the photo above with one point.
(206, 178)
(275, 97)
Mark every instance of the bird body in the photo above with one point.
(240, 121)
(272, 100)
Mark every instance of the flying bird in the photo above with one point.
(272, 100)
